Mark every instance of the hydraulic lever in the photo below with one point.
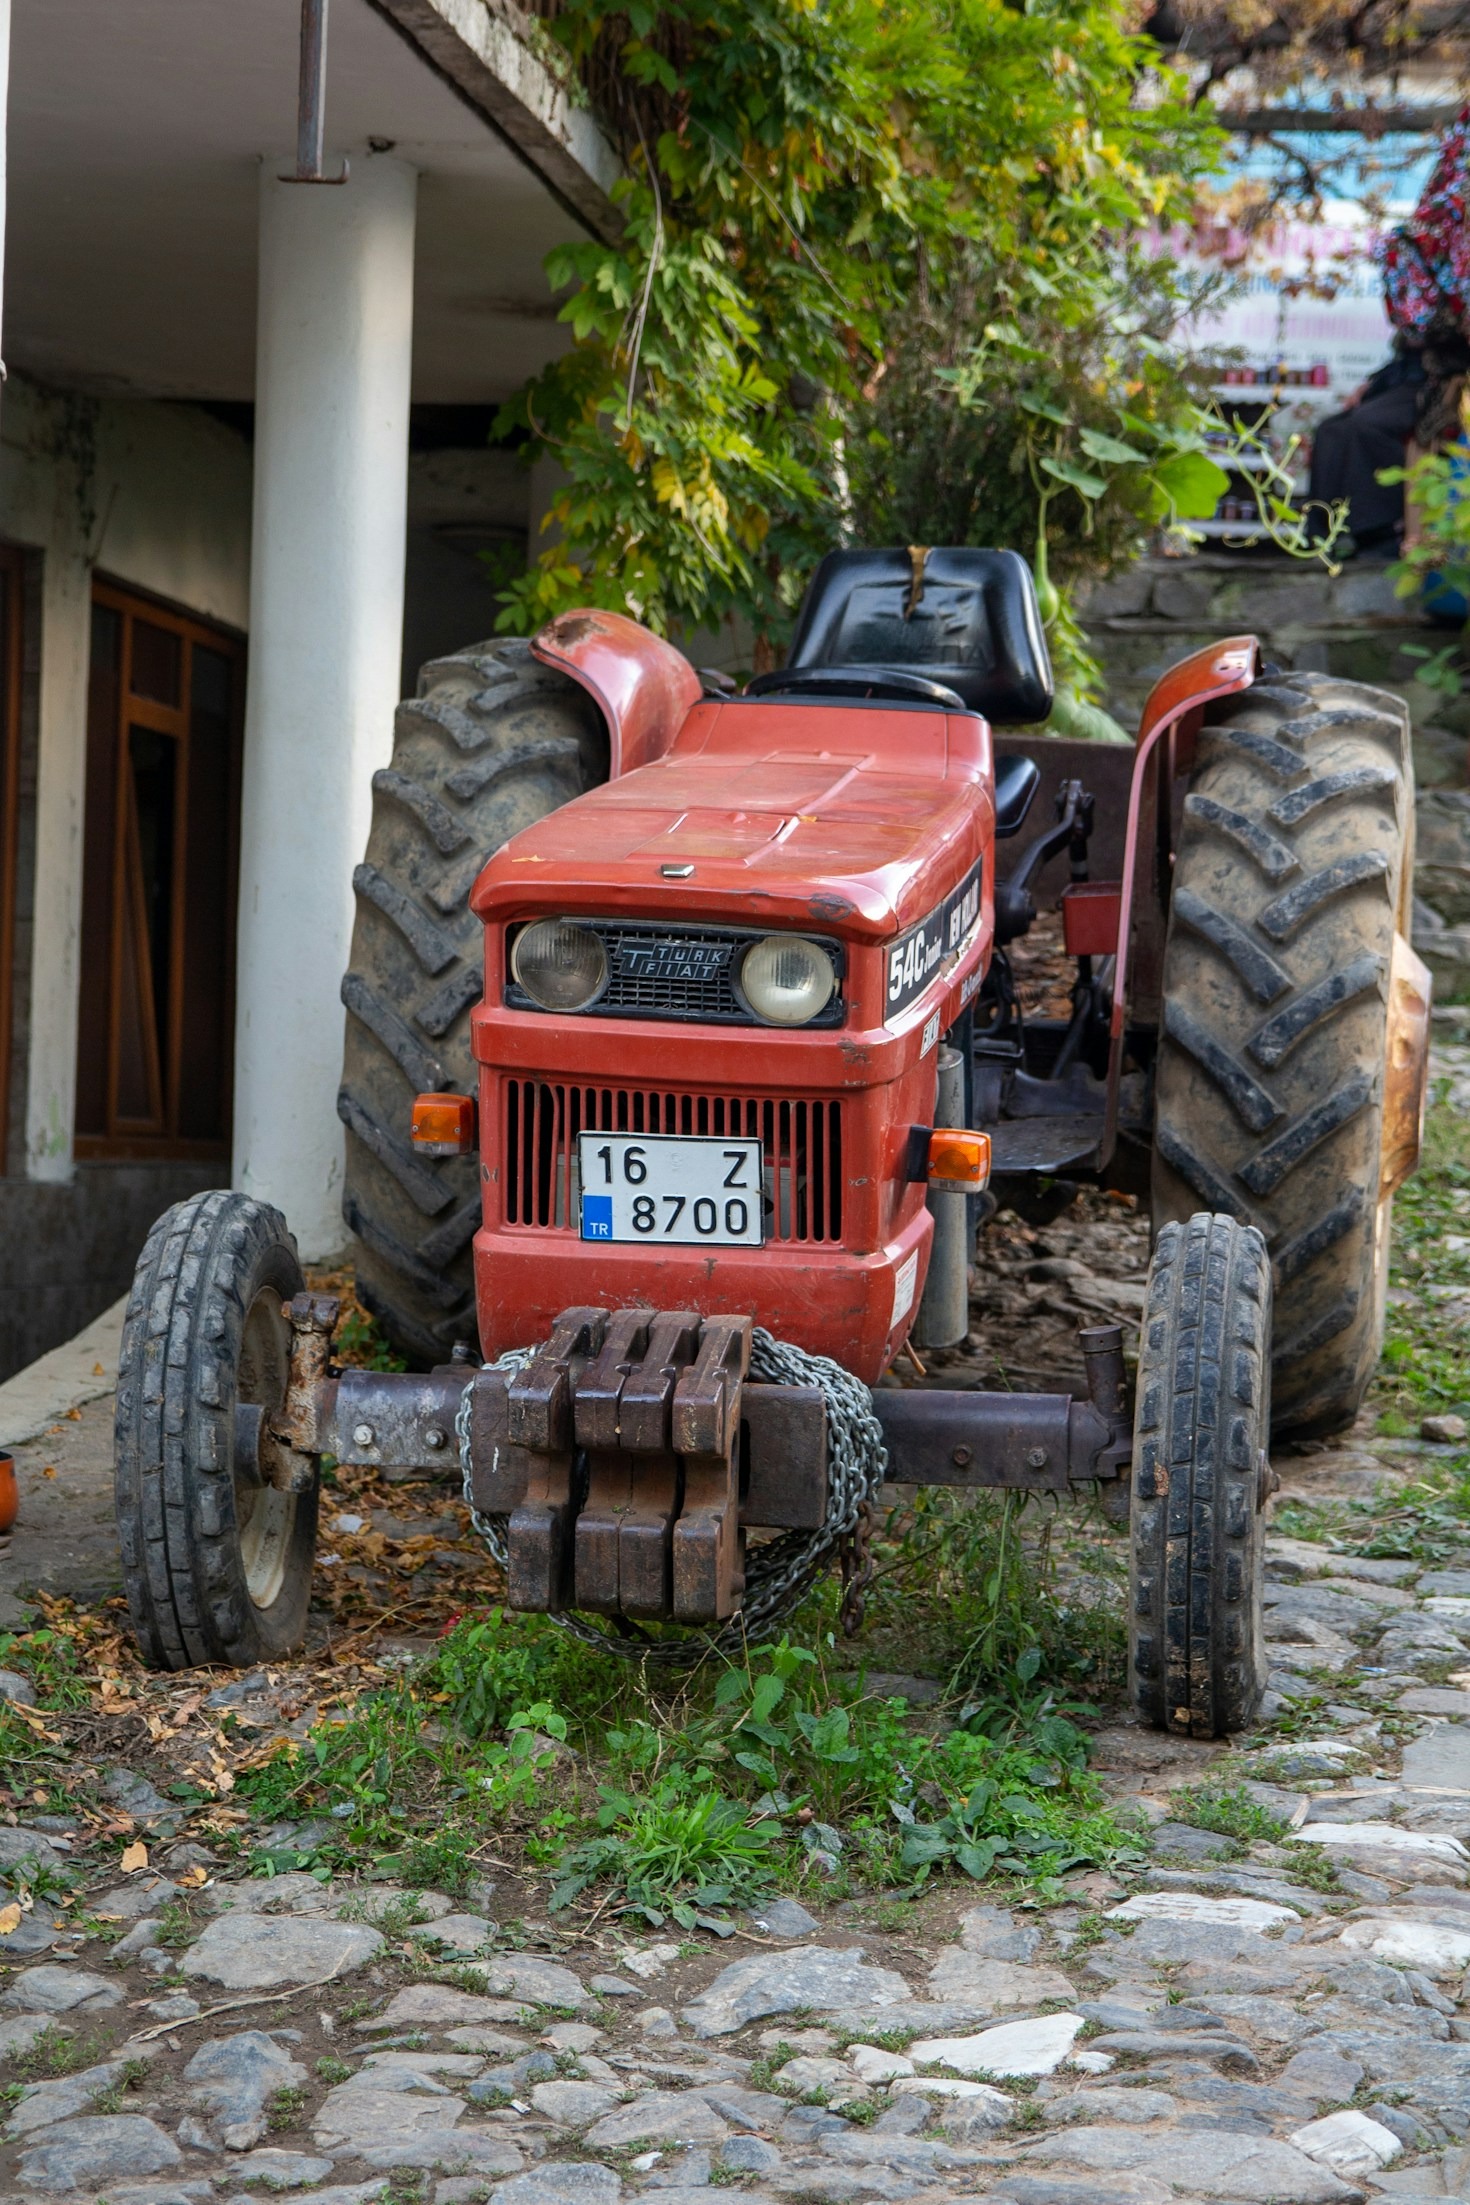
(1015, 906)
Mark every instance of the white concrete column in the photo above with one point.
(61, 774)
(333, 355)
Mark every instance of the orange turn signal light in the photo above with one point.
(959, 1159)
(444, 1125)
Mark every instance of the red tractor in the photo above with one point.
(683, 1052)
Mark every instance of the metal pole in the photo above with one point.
(311, 98)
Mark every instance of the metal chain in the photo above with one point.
(857, 1573)
(777, 1574)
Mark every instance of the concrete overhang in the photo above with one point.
(136, 135)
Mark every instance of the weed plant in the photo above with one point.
(114, 2098)
(1228, 1810)
(51, 1662)
(969, 1583)
(771, 1772)
(55, 2052)
(284, 2107)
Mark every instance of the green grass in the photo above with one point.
(176, 1926)
(51, 1662)
(55, 2052)
(1228, 1810)
(763, 2071)
(1426, 1362)
(882, 2040)
(658, 1806)
(1314, 1866)
(408, 2187)
(284, 2107)
(114, 2098)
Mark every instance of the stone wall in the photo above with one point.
(1349, 624)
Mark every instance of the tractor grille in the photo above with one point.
(657, 975)
(678, 972)
(801, 1149)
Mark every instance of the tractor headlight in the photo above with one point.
(561, 966)
(786, 979)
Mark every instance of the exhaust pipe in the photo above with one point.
(944, 1311)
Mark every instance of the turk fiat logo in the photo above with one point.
(673, 959)
(917, 956)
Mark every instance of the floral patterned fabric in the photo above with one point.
(1426, 263)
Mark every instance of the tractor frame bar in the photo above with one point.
(632, 1452)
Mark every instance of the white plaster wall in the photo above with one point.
(174, 498)
(153, 495)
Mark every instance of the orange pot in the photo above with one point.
(9, 1494)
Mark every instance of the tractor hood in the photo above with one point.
(858, 818)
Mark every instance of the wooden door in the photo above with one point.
(156, 1007)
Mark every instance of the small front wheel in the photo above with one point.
(216, 1560)
(1196, 1655)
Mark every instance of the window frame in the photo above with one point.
(129, 1139)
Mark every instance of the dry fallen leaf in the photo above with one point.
(49, 1471)
(9, 1918)
(195, 1876)
(135, 1856)
(74, 1416)
(98, 1371)
(32, 1721)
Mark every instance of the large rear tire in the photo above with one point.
(493, 741)
(1196, 1652)
(1293, 872)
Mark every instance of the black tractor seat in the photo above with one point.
(955, 627)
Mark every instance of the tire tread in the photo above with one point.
(1269, 1075)
(1196, 1658)
(493, 741)
(174, 1437)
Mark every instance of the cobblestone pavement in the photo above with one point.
(1277, 2019)
(1270, 2016)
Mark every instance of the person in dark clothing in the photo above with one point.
(1371, 433)
(1426, 290)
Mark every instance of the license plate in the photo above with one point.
(651, 1187)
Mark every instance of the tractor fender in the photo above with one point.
(642, 686)
(1219, 670)
(1166, 731)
